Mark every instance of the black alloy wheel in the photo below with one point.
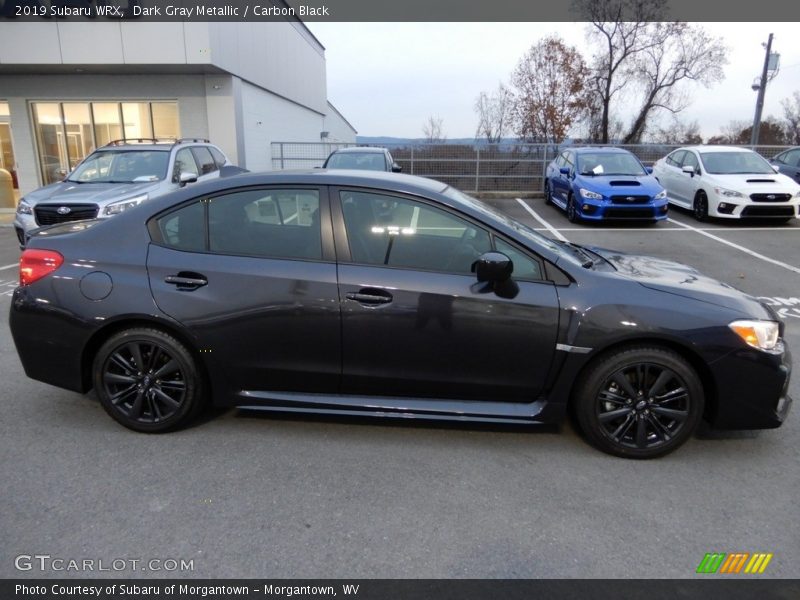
(639, 402)
(147, 380)
(548, 196)
(572, 210)
(701, 207)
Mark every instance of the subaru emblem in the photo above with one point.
(630, 198)
(64, 210)
(771, 197)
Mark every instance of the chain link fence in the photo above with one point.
(507, 167)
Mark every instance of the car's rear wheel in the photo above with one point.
(548, 199)
(572, 210)
(700, 208)
(639, 402)
(147, 380)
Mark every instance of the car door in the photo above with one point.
(416, 323)
(565, 180)
(668, 175)
(686, 185)
(252, 275)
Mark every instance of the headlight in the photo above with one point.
(660, 195)
(728, 193)
(759, 334)
(24, 208)
(117, 207)
(590, 194)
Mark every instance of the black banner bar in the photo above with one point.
(392, 10)
(733, 588)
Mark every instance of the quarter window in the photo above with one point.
(270, 223)
(219, 157)
(397, 232)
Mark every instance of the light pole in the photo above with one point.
(760, 101)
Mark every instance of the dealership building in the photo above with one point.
(69, 87)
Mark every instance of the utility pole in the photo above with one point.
(761, 90)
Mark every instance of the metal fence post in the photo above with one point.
(545, 148)
(412, 160)
(477, 169)
(282, 167)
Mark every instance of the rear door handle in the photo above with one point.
(186, 281)
(370, 296)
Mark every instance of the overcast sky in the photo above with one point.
(386, 78)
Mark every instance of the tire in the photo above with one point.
(700, 207)
(148, 381)
(572, 210)
(620, 411)
(548, 199)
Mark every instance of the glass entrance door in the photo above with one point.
(7, 161)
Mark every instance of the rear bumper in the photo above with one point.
(752, 390)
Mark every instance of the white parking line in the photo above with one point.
(11, 266)
(737, 246)
(547, 225)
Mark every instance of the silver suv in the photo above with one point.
(118, 176)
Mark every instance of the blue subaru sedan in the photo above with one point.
(604, 183)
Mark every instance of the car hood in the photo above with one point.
(620, 185)
(751, 183)
(682, 280)
(69, 192)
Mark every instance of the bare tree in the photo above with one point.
(433, 130)
(791, 118)
(550, 91)
(731, 133)
(685, 53)
(494, 113)
(619, 29)
(679, 133)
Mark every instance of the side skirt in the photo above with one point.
(537, 412)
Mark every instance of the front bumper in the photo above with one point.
(599, 210)
(752, 390)
(743, 208)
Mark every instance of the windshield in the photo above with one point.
(609, 163)
(370, 161)
(526, 232)
(115, 166)
(735, 163)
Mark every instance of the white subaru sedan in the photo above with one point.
(726, 182)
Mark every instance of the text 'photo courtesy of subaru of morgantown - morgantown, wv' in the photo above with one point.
(604, 183)
(728, 183)
(118, 176)
(362, 293)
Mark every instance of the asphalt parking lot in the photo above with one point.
(247, 495)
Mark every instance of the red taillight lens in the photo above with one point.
(35, 264)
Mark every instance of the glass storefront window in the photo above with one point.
(165, 119)
(66, 132)
(4, 109)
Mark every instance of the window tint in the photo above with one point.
(184, 163)
(387, 230)
(184, 228)
(690, 160)
(792, 157)
(219, 157)
(675, 158)
(272, 223)
(204, 160)
(524, 266)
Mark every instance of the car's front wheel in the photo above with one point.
(700, 207)
(572, 210)
(147, 380)
(548, 198)
(638, 402)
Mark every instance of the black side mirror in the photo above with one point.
(564, 170)
(396, 168)
(493, 267)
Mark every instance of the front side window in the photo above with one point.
(204, 160)
(674, 159)
(690, 160)
(398, 232)
(184, 163)
(791, 158)
(270, 223)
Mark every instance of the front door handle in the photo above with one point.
(370, 296)
(186, 281)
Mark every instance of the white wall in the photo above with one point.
(19, 90)
(338, 128)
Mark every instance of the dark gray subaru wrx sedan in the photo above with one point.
(359, 293)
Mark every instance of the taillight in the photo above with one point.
(35, 264)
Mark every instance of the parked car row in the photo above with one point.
(712, 181)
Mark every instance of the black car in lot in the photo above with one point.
(356, 293)
(788, 163)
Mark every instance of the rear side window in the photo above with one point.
(792, 158)
(184, 229)
(204, 160)
(269, 223)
